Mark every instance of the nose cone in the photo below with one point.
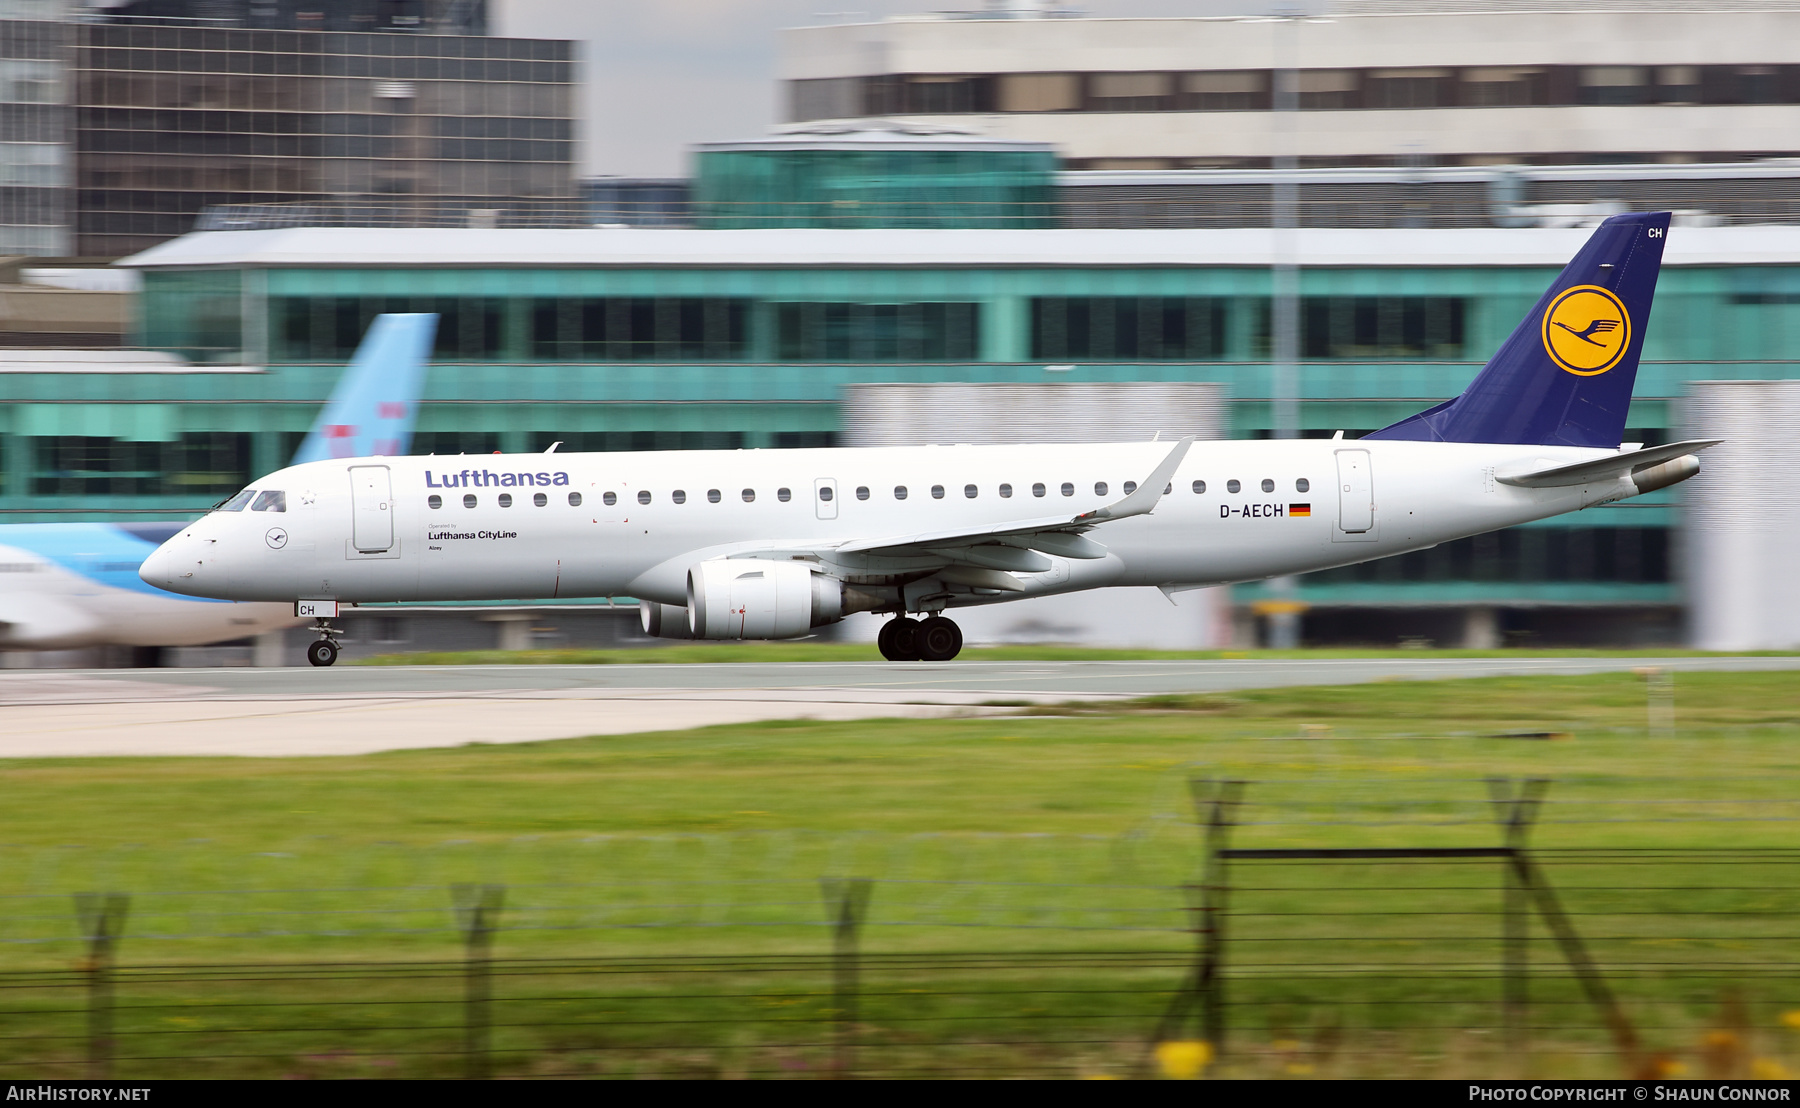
(177, 566)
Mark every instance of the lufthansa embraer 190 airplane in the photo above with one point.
(764, 544)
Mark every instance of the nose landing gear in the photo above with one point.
(325, 651)
(910, 640)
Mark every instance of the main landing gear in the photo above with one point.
(325, 651)
(913, 640)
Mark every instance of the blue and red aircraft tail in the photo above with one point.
(1564, 376)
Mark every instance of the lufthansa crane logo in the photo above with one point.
(1586, 330)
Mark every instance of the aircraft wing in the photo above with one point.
(1604, 469)
(1061, 535)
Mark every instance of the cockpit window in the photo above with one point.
(236, 503)
(271, 500)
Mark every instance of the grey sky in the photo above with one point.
(666, 73)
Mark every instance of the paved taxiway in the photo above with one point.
(357, 710)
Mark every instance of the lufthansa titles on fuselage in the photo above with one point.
(487, 478)
(435, 536)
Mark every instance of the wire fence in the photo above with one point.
(1316, 926)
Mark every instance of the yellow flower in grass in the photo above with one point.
(1768, 1069)
(1791, 1019)
(1184, 1060)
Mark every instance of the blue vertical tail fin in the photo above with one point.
(1564, 376)
(372, 409)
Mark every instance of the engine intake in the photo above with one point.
(753, 598)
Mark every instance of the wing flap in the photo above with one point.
(1050, 534)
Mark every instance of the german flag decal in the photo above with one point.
(1300, 511)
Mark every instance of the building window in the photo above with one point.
(1118, 328)
(1040, 92)
(1376, 327)
(329, 328)
(200, 465)
(1613, 84)
(1327, 89)
(1240, 91)
(1504, 87)
(455, 442)
(1131, 92)
(640, 329)
(929, 93)
(877, 332)
(1678, 84)
(1407, 88)
(605, 442)
(827, 98)
(1614, 555)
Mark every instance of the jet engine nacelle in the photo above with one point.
(750, 598)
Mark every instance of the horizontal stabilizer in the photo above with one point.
(1604, 469)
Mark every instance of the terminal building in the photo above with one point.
(1376, 82)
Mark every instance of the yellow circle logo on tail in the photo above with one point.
(1586, 330)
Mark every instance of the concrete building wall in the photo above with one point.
(1743, 517)
(1019, 56)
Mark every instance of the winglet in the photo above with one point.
(1144, 498)
(372, 409)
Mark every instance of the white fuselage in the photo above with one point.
(386, 541)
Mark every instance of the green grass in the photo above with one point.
(866, 652)
(1059, 829)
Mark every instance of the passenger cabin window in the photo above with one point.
(606, 498)
(540, 499)
(236, 503)
(1006, 492)
(505, 500)
(749, 496)
(1038, 489)
(1233, 485)
(784, 495)
(1130, 487)
(971, 491)
(1302, 485)
(1199, 487)
(679, 496)
(1268, 485)
(434, 501)
(1099, 488)
(270, 500)
(899, 492)
(468, 500)
(712, 496)
(1068, 488)
(643, 496)
(574, 500)
(825, 493)
(937, 492)
(862, 492)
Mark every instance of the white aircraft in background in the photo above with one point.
(772, 543)
(70, 585)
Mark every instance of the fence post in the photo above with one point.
(1515, 814)
(102, 919)
(1215, 804)
(477, 910)
(846, 904)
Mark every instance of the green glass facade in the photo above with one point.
(694, 356)
(907, 186)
